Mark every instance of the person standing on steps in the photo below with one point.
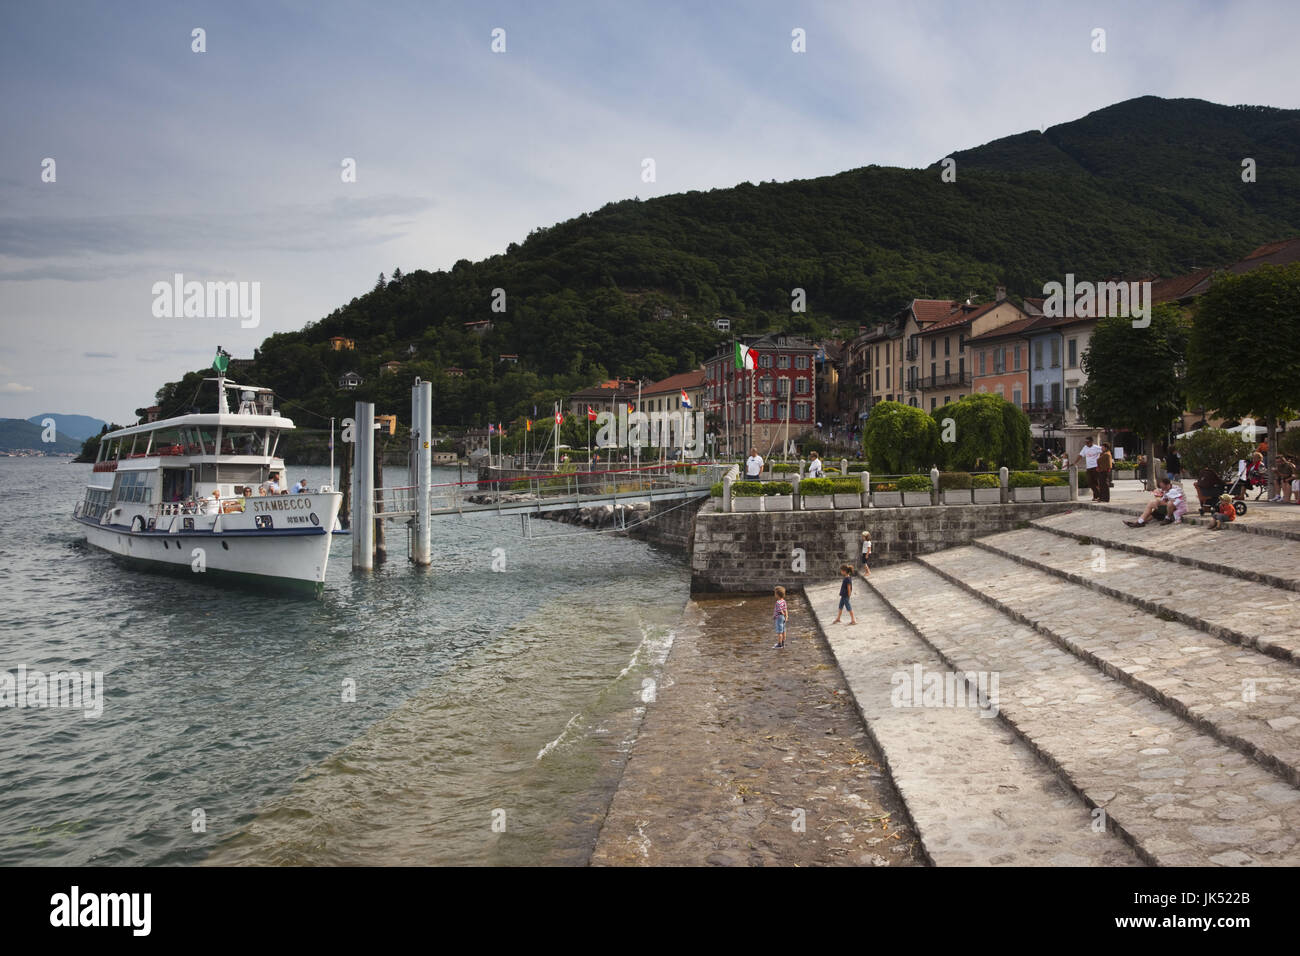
(846, 592)
(1089, 454)
(753, 466)
(1105, 462)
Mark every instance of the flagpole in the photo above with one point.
(556, 433)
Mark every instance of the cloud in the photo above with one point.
(99, 355)
(13, 388)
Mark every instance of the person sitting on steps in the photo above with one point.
(1169, 504)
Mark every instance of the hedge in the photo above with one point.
(1025, 479)
(715, 490)
(884, 486)
(815, 486)
(954, 480)
(746, 489)
(846, 486)
(777, 488)
(985, 481)
(915, 483)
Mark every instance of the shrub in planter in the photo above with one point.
(847, 492)
(857, 467)
(985, 481)
(778, 495)
(715, 490)
(884, 486)
(1056, 488)
(815, 486)
(914, 483)
(747, 489)
(784, 467)
(1055, 481)
(1025, 479)
(778, 488)
(955, 480)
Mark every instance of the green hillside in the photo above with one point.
(1147, 186)
(16, 435)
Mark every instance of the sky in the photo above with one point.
(227, 165)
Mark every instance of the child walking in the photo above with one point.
(846, 592)
(866, 553)
(780, 615)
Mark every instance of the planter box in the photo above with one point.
(818, 502)
(778, 503)
(1056, 492)
(1027, 494)
(956, 496)
(987, 496)
(848, 501)
(914, 499)
(887, 499)
(747, 504)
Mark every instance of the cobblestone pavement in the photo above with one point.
(753, 756)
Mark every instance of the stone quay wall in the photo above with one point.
(752, 552)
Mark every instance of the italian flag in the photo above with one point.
(744, 356)
(591, 414)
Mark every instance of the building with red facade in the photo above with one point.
(764, 407)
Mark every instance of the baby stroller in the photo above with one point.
(1209, 486)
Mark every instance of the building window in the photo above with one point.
(947, 368)
(1038, 353)
(765, 361)
(801, 386)
(783, 361)
(1056, 352)
(801, 361)
(961, 367)
(1038, 395)
(933, 403)
(1072, 351)
(877, 378)
(934, 348)
(947, 345)
(1000, 389)
(1015, 350)
(1056, 394)
(802, 412)
(764, 409)
(982, 362)
(1016, 395)
(783, 386)
(888, 369)
(961, 342)
(999, 360)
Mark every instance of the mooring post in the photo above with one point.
(421, 435)
(1004, 477)
(1074, 481)
(363, 487)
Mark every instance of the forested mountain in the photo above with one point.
(1148, 186)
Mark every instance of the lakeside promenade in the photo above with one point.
(1127, 743)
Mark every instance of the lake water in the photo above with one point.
(493, 710)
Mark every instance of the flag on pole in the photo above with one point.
(501, 429)
(686, 402)
(559, 418)
(591, 414)
(744, 356)
(490, 428)
(528, 424)
(222, 361)
(630, 408)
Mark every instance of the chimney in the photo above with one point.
(1001, 293)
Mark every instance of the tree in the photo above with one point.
(1135, 375)
(1212, 448)
(1226, 369)
(898, 439)
(987, 431)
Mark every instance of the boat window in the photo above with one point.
(134, 487)
(244, 443)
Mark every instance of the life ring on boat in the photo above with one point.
(137, 523)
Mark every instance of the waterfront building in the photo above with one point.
(781, 403)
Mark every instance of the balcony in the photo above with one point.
(913, 350)
(1040, 411)
(945, 381)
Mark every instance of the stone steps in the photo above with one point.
(1178, 794)
(1253, 556)
(1244, 699)
(1223, 606)
(977, 795)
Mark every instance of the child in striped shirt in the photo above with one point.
(780, 616)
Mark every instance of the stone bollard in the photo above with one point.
(802, 464)
(1074, 482)
(866, 489)
(844, 467)
(796, 503)
(934, 485)
(726, 494)
(1004, 477)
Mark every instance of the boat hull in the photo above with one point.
(292, 560)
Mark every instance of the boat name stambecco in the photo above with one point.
(296, 502)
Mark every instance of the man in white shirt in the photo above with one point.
(301, 487)
(814, 465)
(273, 483)
(1089, 454)
(753, 465)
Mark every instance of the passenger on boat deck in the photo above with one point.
(263, 489)
(234, 505)
(212, 505)
(273, 483)
(301, 487)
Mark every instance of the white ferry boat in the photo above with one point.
(197, 494)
